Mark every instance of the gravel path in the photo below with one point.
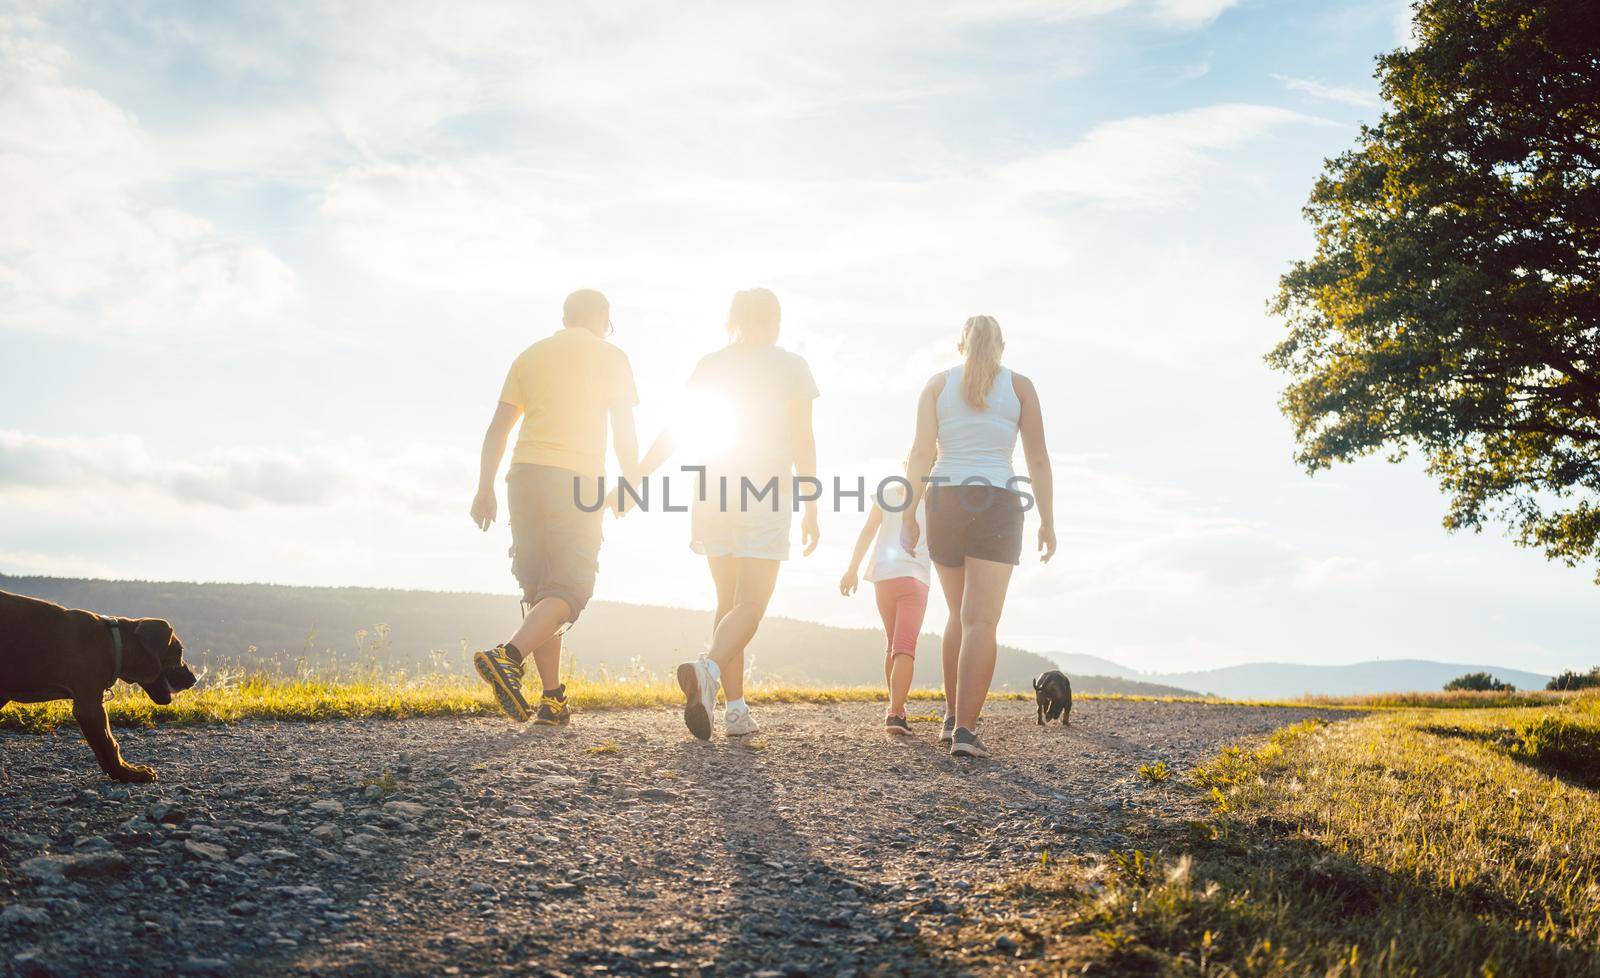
(616, 846)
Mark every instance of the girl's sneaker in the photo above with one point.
(739, 723)
(947, 732)
(897, 725)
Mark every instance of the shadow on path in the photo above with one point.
(793, 908)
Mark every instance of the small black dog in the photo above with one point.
(1054, 693)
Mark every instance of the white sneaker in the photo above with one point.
(739, 723)
(699, 697)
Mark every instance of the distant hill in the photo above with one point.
(276, 627)
(1278, 680)
(1073, 663)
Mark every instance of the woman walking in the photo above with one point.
(969, 418)
(742, 515)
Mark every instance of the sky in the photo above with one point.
(263, 268)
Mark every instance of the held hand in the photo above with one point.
(483, 508)
(1047, 543)
(910, 533)
(848, 583)
(810, 535)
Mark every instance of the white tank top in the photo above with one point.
(888, 560)
(976, 444)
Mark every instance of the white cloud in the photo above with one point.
(417, 478)
(1329, 93)
(1148, 161)
(86, 247)
(1190, 13)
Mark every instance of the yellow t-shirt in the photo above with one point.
(566, 386)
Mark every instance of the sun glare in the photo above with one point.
(705, 425)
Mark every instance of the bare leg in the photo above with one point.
(725, 575)
(547, 659)
(953, 581)
(540, 636)
(755, 581)
(900, 670)
(982, 600)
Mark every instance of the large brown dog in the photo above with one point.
(48, 652)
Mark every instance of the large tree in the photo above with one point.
(1452, 307)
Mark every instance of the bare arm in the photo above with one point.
(924, 449)
(660, 450)
(848, 583)
(804, 440)
(1037, 454)
(625, 439)
(484, 504)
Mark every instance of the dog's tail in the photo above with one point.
(1036, 685)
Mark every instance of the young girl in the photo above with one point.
(900, 578)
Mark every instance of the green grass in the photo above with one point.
(228, 698)
(1457, 699)
(231, 699)
(1403, 843)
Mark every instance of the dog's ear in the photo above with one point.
(1036, 685)
(154, 634)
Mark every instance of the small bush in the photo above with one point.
(1572, 679)
(1155, 773)
(1480, 682)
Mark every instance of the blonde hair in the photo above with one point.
(753, 317)
(981, 345)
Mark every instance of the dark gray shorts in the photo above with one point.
(555, 546)
(974, 521)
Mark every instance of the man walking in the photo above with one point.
(565, 388)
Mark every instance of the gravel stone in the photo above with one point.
(616, 846)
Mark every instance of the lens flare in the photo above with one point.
(706, 425)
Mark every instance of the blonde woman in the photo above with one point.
(742, 515)
(969, 418)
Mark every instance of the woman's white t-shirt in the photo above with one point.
(888, 560)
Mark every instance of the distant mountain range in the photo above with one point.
(1278, 680)
(345, 630)
(270, 626)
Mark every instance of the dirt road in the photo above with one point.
(618, 845)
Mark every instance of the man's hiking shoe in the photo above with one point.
(966, 744)
(553, 711)
(897, 725)
(739, 723)
(947, 732)
(504, 677)
(699, 697)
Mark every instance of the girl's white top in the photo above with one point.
(977, 444)
(887, 559)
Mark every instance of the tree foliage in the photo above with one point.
(1479, 682)
(1452, 306)
(1572, 679)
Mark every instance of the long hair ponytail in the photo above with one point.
(981, 345)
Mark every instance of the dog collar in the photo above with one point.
(115, 627)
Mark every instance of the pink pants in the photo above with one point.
(902, 601)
